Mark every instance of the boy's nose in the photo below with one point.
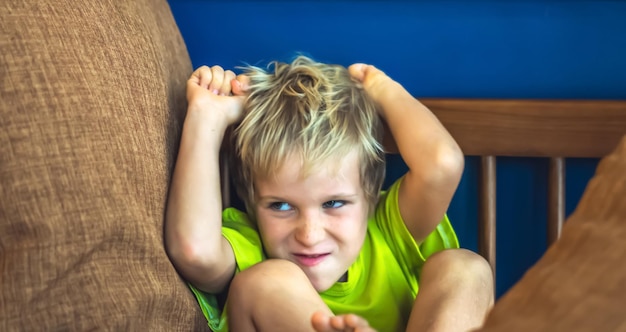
(310, 229)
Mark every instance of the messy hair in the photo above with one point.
(311, 111)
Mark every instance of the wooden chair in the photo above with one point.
(554, 129)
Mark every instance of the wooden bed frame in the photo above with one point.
(554, 129)
(488, 128)
(579, 284)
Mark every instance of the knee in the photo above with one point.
(265, 278)
(460, 263)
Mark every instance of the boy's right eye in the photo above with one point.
(280, 206)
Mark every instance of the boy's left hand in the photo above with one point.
(375, 82)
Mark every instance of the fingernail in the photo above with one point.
(215, 91)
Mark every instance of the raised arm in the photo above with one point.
(193, 236)
(434, 159)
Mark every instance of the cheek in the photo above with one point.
(353, 226)
(272, 233)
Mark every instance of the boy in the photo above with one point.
(319, 248)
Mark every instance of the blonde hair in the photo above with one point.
(309, 110)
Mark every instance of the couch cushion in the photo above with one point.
(91, 106)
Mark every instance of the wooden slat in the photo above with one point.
(225, 174)
(556, 198)
(225, 180)
(487, 211)
(532, 128)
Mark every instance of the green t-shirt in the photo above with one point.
(383, 281)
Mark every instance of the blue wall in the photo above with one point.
(476, 49)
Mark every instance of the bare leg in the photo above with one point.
(274, 295)
(456, 292)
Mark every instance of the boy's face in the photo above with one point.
(318, 222)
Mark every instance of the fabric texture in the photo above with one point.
(580, 282)
(382, 282)
(91, 105)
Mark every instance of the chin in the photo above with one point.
(321, 287)
(324, 284)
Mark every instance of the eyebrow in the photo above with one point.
(328, 198)
(271, 198)
(343, 196)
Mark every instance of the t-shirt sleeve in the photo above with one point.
(244, 239)
(409, 254)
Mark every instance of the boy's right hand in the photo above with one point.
(218, 93)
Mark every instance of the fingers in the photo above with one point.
(215, 79)
(225, 88)
(220, 84)
(217, 85)
(209, 89)
(202, 77)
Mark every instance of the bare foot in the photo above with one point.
(322, 322)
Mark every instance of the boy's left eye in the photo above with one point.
(333, 204)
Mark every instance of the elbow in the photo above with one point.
(202, 263)
(449, 164)
(186, 254)
(453, 160)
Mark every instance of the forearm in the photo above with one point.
(425, 145)
(193, 218)
(434, 159)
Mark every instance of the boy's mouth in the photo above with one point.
(310, 260)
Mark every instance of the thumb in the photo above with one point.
(239, 85)
(358, 71)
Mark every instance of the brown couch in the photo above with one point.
(91, 106)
